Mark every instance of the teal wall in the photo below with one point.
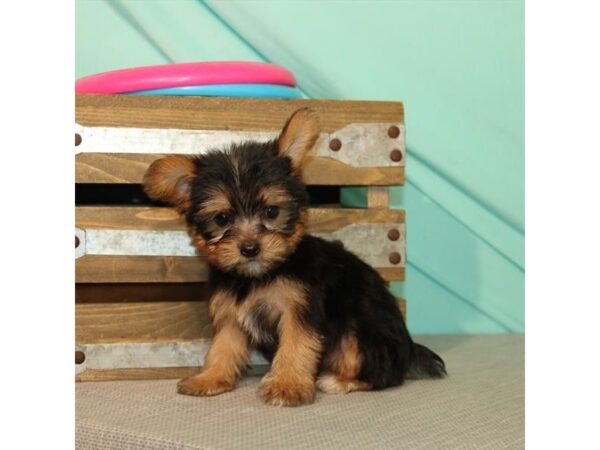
(458, 66)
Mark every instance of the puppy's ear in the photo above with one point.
(170, 180)
(298, 137)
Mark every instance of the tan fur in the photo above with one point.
(299, 136)
(334, 384)
(228, 354)
(169, 179)
(274, 195)
(274, 247)
(277, 247)
(218, 203)
(246, 229)
(222, 309)
(274, 300)
(291, 380)
(346, 359)
(224, 254)
(343, 366)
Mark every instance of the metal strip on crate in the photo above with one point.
(369, 241)
(137, 355)
(349, 144)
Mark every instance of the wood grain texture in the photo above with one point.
(391, 273)
(116, 322)
(152, 373)
(221, 113)
(146, 321)
(320, 220)
(129, 168)
(162, 269)
(140, 269)
(378, 197)
(140, 292)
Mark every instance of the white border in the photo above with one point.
(562, 190)
(37, 319)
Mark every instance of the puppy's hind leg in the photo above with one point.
(343, 366)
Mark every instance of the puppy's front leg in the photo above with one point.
(227, 356)
(291, 380)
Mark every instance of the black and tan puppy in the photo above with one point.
(321, 315)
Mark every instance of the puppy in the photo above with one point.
(323, 317)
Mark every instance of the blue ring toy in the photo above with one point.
(228, 90)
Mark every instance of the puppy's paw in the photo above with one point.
(333, 384)
(203, 385)
(281, 391)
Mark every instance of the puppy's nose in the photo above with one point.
(250, 249)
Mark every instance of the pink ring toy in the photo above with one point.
(183, 74)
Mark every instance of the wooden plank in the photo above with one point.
(140, 269)
(115, 322)
(140, 292)
(391, 273)
(145, 321)
(378, 197)
(151, 373)
(129, 168)
(220, 113)
(320, 220)
(165, 269)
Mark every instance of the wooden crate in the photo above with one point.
(141, 297)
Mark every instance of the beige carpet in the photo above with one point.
(479, 406)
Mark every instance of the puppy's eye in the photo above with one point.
(272, 212)
(223, 219)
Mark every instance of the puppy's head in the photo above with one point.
(245, 206)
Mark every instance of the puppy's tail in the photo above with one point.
(426, 364)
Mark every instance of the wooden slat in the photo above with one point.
(140, 292)
(152, 373)
(116, 322)
(129, 168)
(321, 220)
(219, 113)
(144, 321)
(391, 273)
(378, 197)
(166, 269)
(140, 269)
